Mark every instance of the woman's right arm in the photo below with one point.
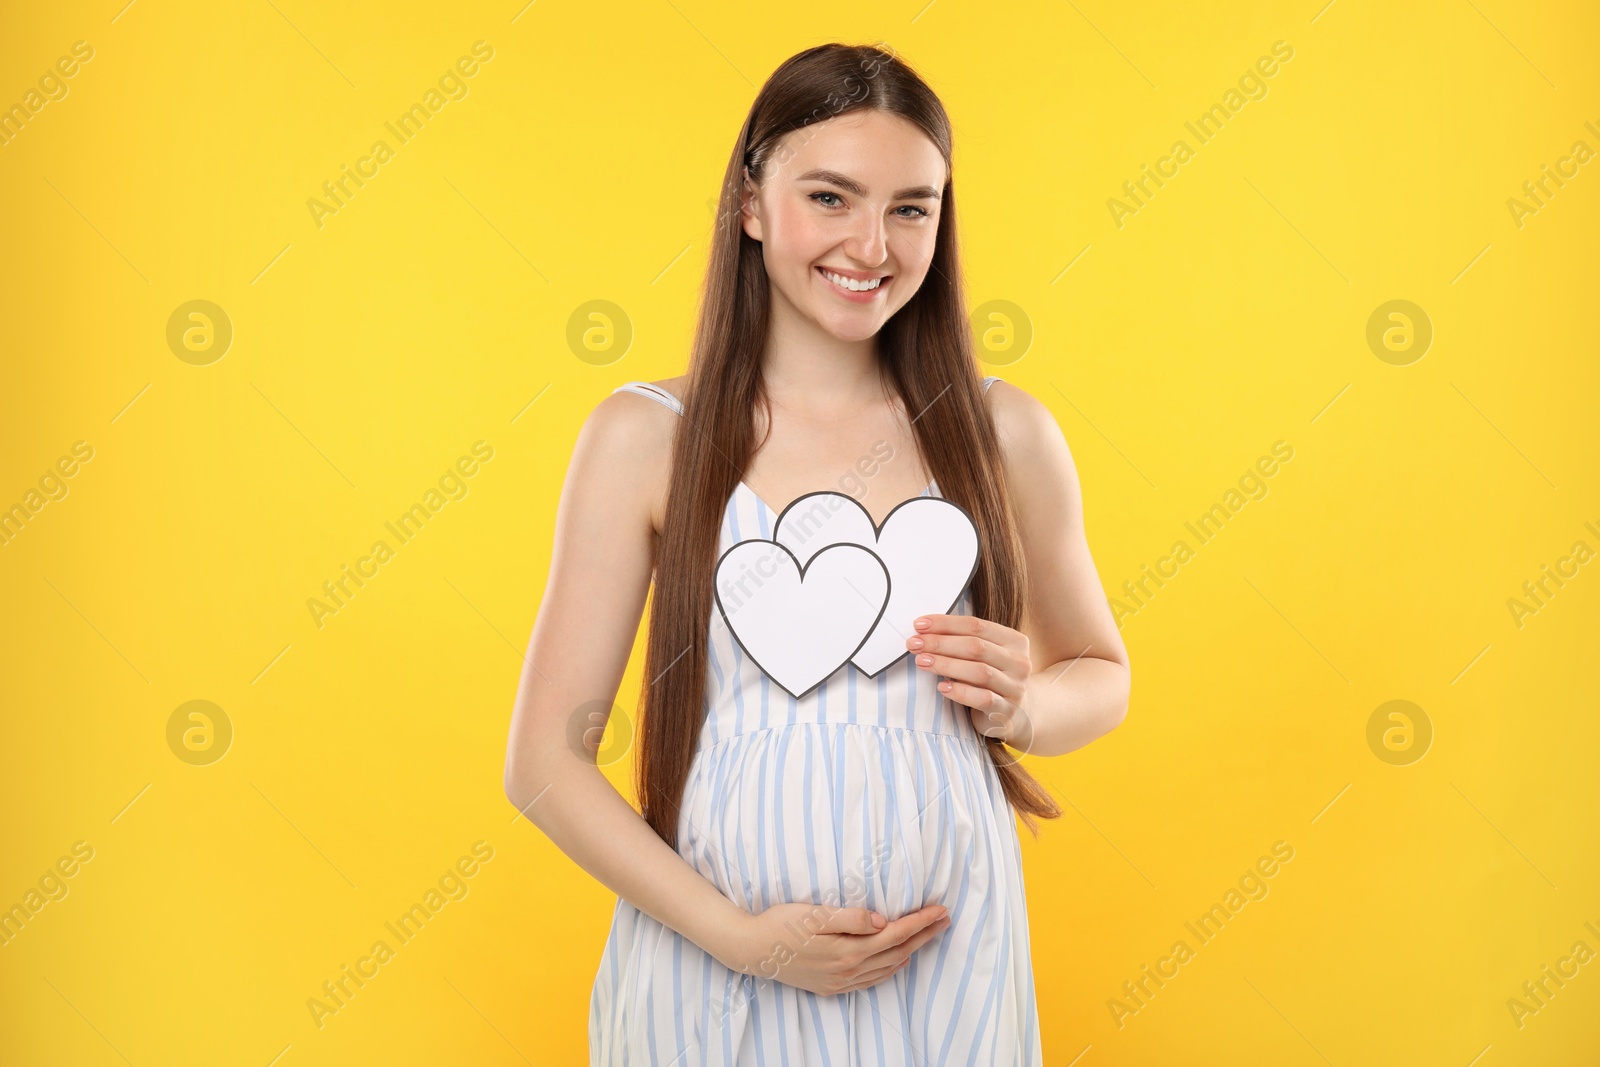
(600, 569)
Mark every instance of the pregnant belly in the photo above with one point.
(847, 815)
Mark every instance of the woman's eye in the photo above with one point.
(921, 213)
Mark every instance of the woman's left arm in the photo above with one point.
(1063, 679)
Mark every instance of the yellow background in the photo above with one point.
(428, 313)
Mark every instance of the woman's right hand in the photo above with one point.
(828, 950)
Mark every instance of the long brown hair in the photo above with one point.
(926, 354)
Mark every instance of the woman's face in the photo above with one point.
(856, 195)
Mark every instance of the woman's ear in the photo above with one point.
(749, 215)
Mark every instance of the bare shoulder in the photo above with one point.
(1039, 466)
(1015, 409)
(625, 426)
(625, 448)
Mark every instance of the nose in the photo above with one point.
(869, 239)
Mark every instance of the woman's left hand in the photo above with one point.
(986, 667)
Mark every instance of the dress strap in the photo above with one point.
(654, 392)
(988, 382)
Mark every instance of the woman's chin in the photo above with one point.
(850, 324)
(851, 331)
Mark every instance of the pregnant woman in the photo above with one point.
(823, 875)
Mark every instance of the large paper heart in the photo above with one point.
(929, 546)
(800, 621)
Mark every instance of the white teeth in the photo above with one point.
(850, 283)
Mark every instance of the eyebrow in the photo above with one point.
(916, 192)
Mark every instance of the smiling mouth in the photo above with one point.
(852, 285)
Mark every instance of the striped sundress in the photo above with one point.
(867, 792)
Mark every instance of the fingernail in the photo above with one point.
(921, 624)
(879, 921)
(914, 643)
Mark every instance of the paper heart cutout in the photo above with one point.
(800, 621)
(928, 545)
